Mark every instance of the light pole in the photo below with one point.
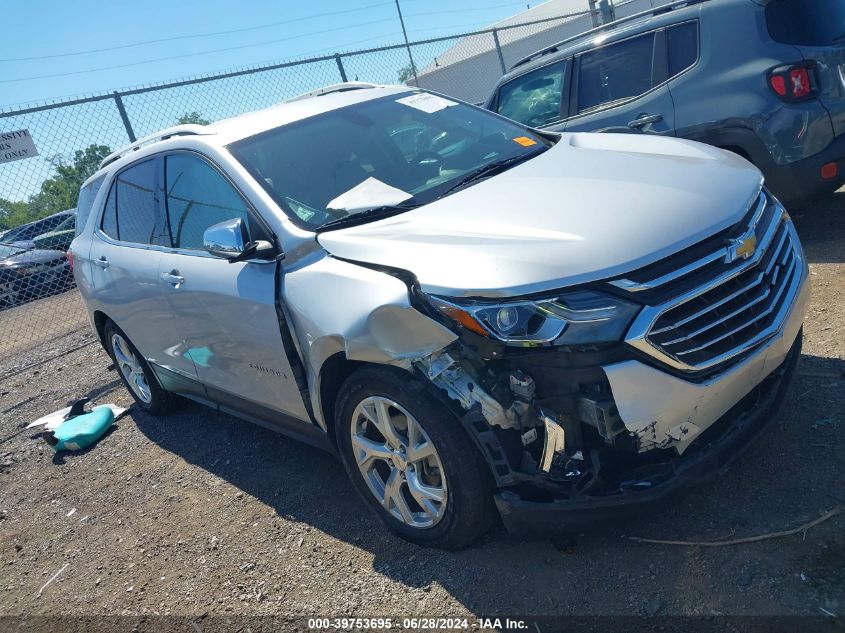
(407, 45)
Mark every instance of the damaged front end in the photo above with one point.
(546, 415)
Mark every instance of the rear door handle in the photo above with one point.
(173, 278)
(102, 263)
(646, 119)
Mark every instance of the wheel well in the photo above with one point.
(738, 151)
(100, 325)
(332, 375)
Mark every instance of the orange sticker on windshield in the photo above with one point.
(525, 141)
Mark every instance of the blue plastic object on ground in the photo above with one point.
(81, 431)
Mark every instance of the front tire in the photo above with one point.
(135, 373)
(411, 460)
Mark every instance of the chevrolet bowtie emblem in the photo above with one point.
(741, 248)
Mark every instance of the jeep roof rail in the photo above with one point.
(188, 129)
(341, 87)
(604, 27)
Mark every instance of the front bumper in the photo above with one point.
(730, 411)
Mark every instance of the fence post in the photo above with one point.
(608, 14)
(595, 15)
(340, 68)
(129, 131)
(499, 51)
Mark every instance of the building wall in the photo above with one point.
(473, 77)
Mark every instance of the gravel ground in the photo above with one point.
(200, 513)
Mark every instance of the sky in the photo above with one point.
(52, 49)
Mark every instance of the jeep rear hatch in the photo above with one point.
(817, 29)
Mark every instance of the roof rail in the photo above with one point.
(342, 87)
(604, 27)
(188, 129)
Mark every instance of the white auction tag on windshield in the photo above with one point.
(426, 102)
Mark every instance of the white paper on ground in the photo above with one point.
(52, 421)
(370, 194)
(426, 102)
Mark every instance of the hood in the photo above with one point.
(594, 206)
(46, 239)
(35, 256)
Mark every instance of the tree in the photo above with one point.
(12, 214)
(193, 117)
(57, 193)
(407, 74)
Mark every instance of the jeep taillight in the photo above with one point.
(796, 82)
(69, 256)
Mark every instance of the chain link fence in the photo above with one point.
(40, 313)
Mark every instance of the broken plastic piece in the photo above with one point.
(555, 443)
(448, 375)
(54, 420)
(529, 436)
(82, 431)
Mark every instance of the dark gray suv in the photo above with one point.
(762, 78)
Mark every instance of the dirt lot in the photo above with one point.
(202, 513)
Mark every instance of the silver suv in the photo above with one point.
(476, 316)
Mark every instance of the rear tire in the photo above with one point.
(411, 460)
(135, 373)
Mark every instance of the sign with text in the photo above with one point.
(16, 146)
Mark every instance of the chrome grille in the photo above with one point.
(739, 304)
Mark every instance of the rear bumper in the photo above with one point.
(754, 390)
(802, 180)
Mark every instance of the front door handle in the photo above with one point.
(173, 278)
(645, 120)
(102, 263)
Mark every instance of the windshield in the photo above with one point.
(399, 151)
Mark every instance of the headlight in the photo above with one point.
(580, 317)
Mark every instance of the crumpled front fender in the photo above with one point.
(337, 306)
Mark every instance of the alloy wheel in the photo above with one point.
(131, 368)
(399, 462)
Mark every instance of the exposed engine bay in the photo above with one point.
(548, 424)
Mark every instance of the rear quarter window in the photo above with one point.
(683, 47)
(86, 202)
(806, 22)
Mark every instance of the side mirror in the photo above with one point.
(230, 240)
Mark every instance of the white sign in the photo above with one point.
(426, 102)
(16, 146)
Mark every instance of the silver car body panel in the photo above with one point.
(341, 308)
(593, 207)
(685, 409)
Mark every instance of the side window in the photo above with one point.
(136, 203)
(109, 223)
(683, 47)
(86, 202)
(615, 72)
(197, 197)
(533, 98)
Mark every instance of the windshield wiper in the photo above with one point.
(490, 169)
(368, 215)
